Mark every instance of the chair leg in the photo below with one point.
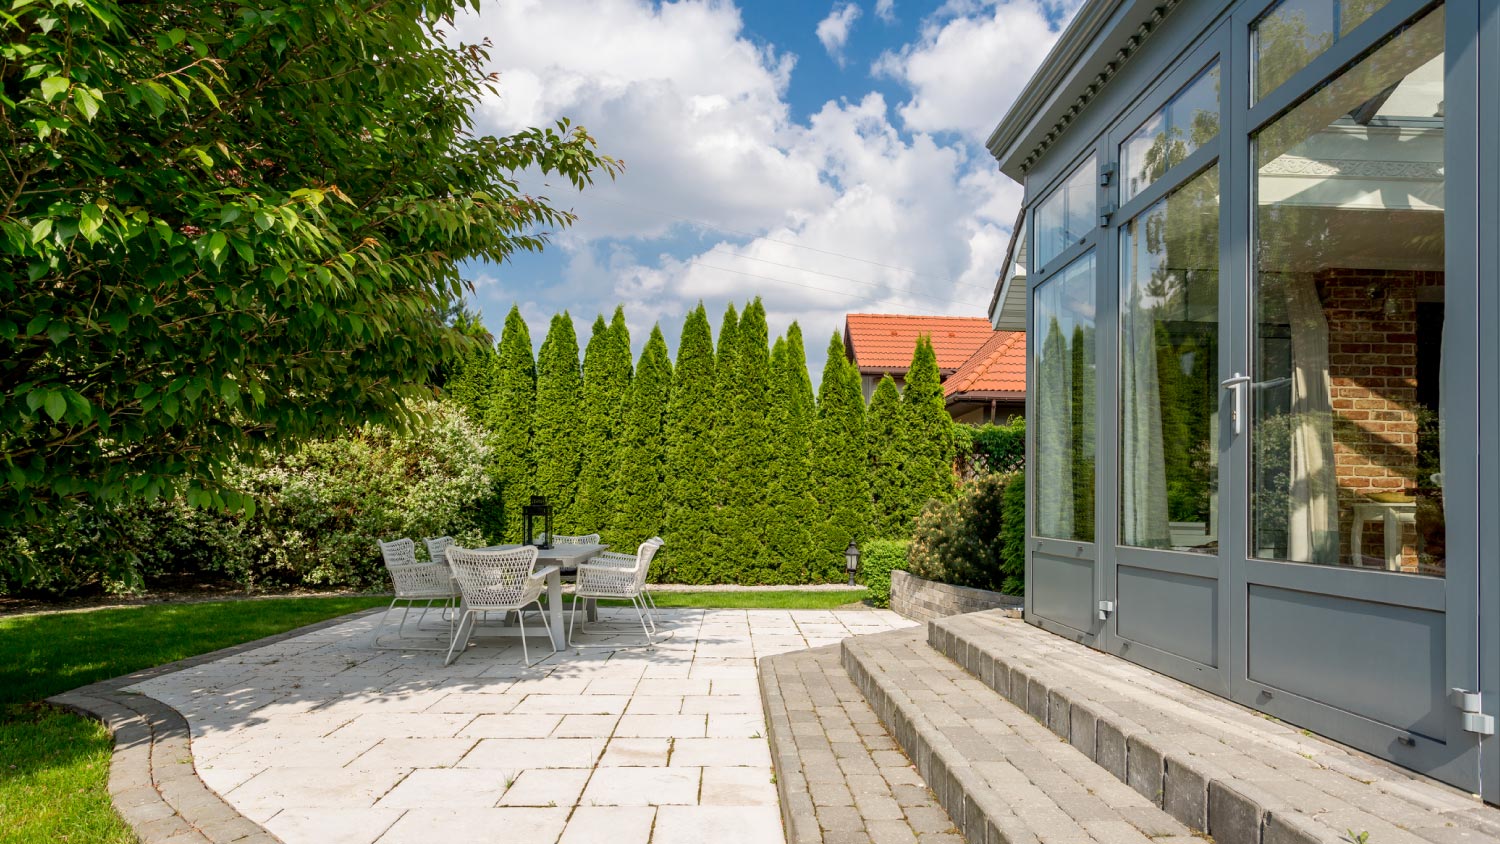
(525, 657)
(460, 637)
(637, 602)
(547, 626)
(573, 620)
(375, 633)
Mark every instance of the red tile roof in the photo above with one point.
(998, 367)
(885, 342)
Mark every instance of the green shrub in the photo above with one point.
(999, 448)
(1013, 536)
(319, 513)
(961, 542)
(877, 560)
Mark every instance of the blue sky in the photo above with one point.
(827, 157)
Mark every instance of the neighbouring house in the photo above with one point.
(882, 344)
(1263, 370)
(983, 370)
(991, 385)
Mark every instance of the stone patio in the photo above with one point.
(318, 738)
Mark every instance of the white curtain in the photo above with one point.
(1313, 511)
(1143, 481)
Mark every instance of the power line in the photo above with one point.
(839, 277)
(708, 225)
(856, 297)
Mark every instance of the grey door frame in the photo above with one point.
(1483, 65)
(1186, 67)
(1452, 756)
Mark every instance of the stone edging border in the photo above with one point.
(153, 783)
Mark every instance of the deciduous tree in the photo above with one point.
(227, 229)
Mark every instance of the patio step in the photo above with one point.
(1002, 777)
(840, 776)
(1209, 763)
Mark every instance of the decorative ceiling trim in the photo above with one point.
(1123, 55)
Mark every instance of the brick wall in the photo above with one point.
(925, 600)
(1372, 356)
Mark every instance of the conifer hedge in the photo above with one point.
(727, 455)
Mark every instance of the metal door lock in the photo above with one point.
(1105, 608)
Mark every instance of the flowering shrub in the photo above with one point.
(319, 513)
(972, 540)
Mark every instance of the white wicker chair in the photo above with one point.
(584, 539)
(437, 549)
(412, 582)
(496, 581)
(617, 576)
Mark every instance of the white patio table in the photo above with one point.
(562, 560)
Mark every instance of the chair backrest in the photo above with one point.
(437, 548)
(491, 578)
(401, 552)
(585, 539)
(643, 557)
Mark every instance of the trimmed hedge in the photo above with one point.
(877, 560)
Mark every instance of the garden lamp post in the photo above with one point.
(851, 560)
(537, 509)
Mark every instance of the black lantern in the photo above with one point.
(851, 560)
(537, 509)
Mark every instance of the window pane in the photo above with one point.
(1348, 402)
(1188, 121)
(1169, 371)
(1068, 214)
(1063, 363)
(1297, 31)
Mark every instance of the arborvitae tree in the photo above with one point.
(556, 441)
(508, 417)
(890, 489)
(471, 382)
(606, 376)
(691, 463)
(640, 468)
(743, 442)
(793, 509)
(726, 335)
(841, 460)
(928, 449)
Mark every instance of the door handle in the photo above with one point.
(1236, 384)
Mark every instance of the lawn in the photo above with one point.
(54, 767)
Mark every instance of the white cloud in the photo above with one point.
(886, 10)
(834, 30)
(725, 195)
(970, 63)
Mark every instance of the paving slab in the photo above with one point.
(314, 737)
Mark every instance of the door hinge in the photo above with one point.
(1105, 608)
(1471, 706)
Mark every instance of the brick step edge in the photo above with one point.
(1194, 790)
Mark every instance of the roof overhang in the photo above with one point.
(985, 396)
(1102, 36)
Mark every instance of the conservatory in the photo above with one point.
(1258, 263)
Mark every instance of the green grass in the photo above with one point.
(54, 767)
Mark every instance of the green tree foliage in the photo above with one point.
(966, 540)
(877, 559)
(508, 420)
(927, 435)
(690, 454)
(727, 328)
(640, 471)
(606, 377)
(257, 214)
(890, 489)
(556, 435)
(742, 440)
(840, 460)
(793, 508)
